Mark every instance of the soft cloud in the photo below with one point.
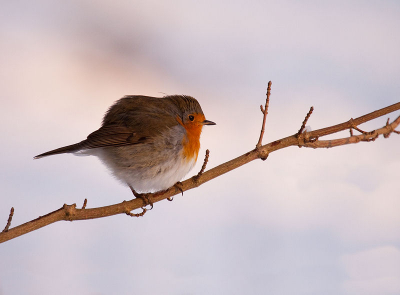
(373, 271)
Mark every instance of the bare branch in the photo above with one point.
(9, 220)
(365, 136)
(303, 125)
(306, 139)
(355, 122)
(265, 112)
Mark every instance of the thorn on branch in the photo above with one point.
(9, 220)
(265, 112)
(303, 125)
(203, 168)
(84, 204)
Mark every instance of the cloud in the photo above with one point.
(373, 271)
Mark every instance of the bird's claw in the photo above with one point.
(179, 186)
(143, 197)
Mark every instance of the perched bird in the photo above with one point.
(148, 143)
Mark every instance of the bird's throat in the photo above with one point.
(191, 143)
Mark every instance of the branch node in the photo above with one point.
(9, 220)
(263, 154)
(368, 139)
(69, 210)
(265, 112)
(390, 129)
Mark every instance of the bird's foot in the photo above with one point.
(179, 186)
(143, 197)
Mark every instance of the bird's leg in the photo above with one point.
(143, 197)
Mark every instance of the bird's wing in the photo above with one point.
(131, 120)
(142, 129)
(111, 135)
(137, 129)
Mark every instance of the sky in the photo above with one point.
(304, 221)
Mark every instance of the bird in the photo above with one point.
(148, 143)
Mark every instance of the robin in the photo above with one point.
(148, 143)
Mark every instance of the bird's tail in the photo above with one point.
(65, 149)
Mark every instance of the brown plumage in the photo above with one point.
(143, 138)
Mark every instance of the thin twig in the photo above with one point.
(9, 220)
(84, 204)
(265, 112)
(203, 168)
(388, 134)
(354, 126)
(204, 163)
(303, 125)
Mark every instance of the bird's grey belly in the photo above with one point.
(150, 166)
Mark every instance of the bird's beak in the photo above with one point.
(206, 122)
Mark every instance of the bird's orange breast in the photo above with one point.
(191, 143)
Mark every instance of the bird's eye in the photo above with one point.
(191, 118)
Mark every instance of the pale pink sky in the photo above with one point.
(302, 222)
